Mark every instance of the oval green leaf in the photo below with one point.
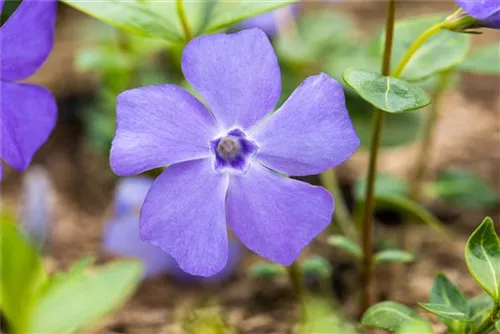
(484, 60)
(266, 270)
(316, 266)
(393, 256)
(445, 311)
(346, 244)
(389, 315)
(444, 292)
(482, 255)
(386, 93)
(480, 307)
(77, 300)
(414, 327)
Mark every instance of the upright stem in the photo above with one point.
(184, 21)
(378, 122)
(295, 276)
(428, 136)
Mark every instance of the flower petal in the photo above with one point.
(130, 194)
(486, 11)
(26, 38)
(184, 215)
(237, 74)
(121, 238)
(274, 216)
(28, 114)
(157, 126)
(310, 133)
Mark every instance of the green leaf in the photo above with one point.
(443, 51)
(483, 60)
(482, 255)
(134, 16)
(412, 209)
(103, 60)
(385, 185)
(392, 256)
(463, 188)
(479, 308)
(346, 244)
(497, 325)
(445, 311)
(386, 93)
(389, 315)
(21, 275)
(414, 327)
(227, 13)
(266, 270)
(444, 292)
(316, 266)
(74, 301)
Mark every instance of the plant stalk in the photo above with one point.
(181, 11)
(367, 230)
(295, 276)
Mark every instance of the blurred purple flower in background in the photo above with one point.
(121, 236)
(27, 112)
(487, 12)
(223, 161)
(36, 209)
(269, 22)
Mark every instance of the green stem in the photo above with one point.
(184, 21)
(295, 276)
(428, 135)
(342, 217)
(367, 230)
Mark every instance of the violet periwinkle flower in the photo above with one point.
(27, 112)
(121, 236)
(36, 211)
(487, 12)
(226, 163)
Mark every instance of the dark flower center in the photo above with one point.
(233, 151)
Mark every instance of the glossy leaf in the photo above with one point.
(75, 301)
(414, 327)
(393, 256)
(445, 311)
(385, 185)
(266, 270)
(21, 275)
(346, 244)
(463, 188)
(316, 266)
(480, 307)
(443, 51)
(444, 292)
(389, 315)
(483, 60)
(482, 255)
(386, 93)
(227, 13)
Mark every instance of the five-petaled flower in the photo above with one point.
(27, 112)
(487, 12)
(227, 163)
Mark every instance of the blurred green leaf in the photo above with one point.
(497, 325)
(480, 307)
(21, 275)
(266, 270)
(483, 60)
(385, 185)
(77, 300)
(227, 13)
(386, 93)
(444, 292)
(393, 256)
(414, 327)
(316, 266)
(346, 244)
(482, 255)
(389, 315)
(443, 51)
(445, 311)
(399, 129)
(463, 188)
(103, 59)
(320, 318)
(134, 16)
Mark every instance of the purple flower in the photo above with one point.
(36, 213)
(121, 236)
(269, 22)
(226, 164)
(28, 112)
(487, 12)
